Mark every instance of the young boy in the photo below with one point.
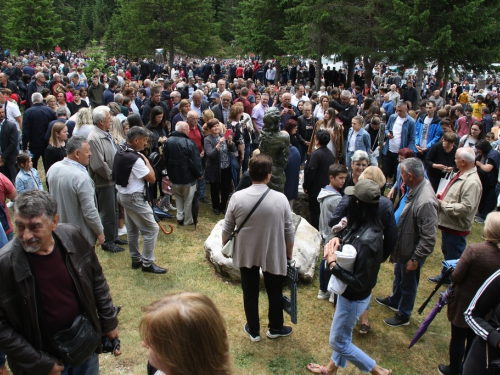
(328, 198)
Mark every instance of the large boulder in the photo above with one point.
(305, 251)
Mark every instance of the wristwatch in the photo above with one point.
(415, 262)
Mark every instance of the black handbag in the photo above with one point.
(290, 304)
(77, 343)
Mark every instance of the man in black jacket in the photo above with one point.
(35, 123)
(36, 85)
(316, 174)
(183, 162)
(8, 146)
(154, 101)
(344, 110)
(49, 275)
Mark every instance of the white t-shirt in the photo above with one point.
(352, 142)
(425, 132)
(296, 101)
(12, 112)
(468, 141)
(395, 143)
(135, 181)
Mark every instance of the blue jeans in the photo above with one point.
(348, 157)
(89, 367)
(2, 359)
(200, 185)
(248, 150)
(452, 247)
(404, 288)
(346, 315)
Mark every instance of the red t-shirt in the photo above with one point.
(6, 188)
(195, 136)
(239, 72)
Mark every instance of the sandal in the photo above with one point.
(316, 369)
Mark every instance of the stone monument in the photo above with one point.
(276, 145)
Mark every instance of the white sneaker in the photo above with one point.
(122, 231)
(323, 295)
(332, 298)
(170, 207)
(10, 204)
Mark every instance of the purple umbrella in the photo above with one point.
(443, 300)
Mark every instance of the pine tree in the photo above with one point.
(31, 24)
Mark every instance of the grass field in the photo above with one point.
(183, 254)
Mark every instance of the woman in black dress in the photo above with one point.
(56, 150)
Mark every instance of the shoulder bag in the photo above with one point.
(228, 248)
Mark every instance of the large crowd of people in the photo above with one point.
(114, 144)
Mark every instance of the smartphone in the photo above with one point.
(228, 133)
(289, 107)
(390, 133)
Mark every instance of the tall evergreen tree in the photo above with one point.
(31, 24)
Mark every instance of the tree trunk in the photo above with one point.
(420, 81)
(171, 53)
(369, 64)
(319, 68)
(278, 72)
(446, 67)
(351, 59)
(439, 75)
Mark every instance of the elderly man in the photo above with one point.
(221, 111)
(394, 95)
(387, 105)
(6, 84)
(132, 170)
(417, 220)
(175, 96)
(9, 141)
(36, 85)
(35, 123)
(199, 105)
(436, 98)
(54, 271)
(71, 185)
(287, 110)
(400, 132)
(103, 151)
(183, 162)
(344, 110)
(458, 204)
(258, 113)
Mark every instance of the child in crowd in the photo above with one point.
(27, 177)
(328, 198)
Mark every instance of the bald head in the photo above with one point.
(182, 127)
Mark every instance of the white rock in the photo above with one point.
(305, 252)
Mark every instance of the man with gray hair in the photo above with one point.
(37, 85)
(344, 110)
(458, 204)
(183, 163)
(50, 273)
(132, 172)
(221, 110)
(35, 124)
(72, 187)
(103, 149)
(5, 83)
(417, 220)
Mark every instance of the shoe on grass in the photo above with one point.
(397, 320)
(365, 328)
(275, 333)
(122, 231)
(387, 303)
(446, 370)
(254, 338)
(323, 295)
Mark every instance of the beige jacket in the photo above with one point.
(460, 203)
(101, 160)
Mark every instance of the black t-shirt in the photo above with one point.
(309, 128)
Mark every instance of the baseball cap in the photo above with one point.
(365, 190)
(214, 95)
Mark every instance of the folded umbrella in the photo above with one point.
(438, 285)
(443, 300)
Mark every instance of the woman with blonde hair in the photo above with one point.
(478, 262)
(186, 334)
(84, 122)
(56, 150)
(324, 103)
(51, 102)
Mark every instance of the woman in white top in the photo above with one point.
(476, 133)
(83, 123)
(324, 103)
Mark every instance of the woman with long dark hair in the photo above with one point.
(159, 133)
(364, 232)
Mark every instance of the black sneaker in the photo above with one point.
(387, 303)
(112, 247)
(283, 332)
(446, 370)
(397, 320)
(252, 337)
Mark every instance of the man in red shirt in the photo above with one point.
(247, 106)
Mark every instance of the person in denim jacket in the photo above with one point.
(27, 178)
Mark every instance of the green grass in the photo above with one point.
(183, 254)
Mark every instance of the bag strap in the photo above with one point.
(235, 232)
